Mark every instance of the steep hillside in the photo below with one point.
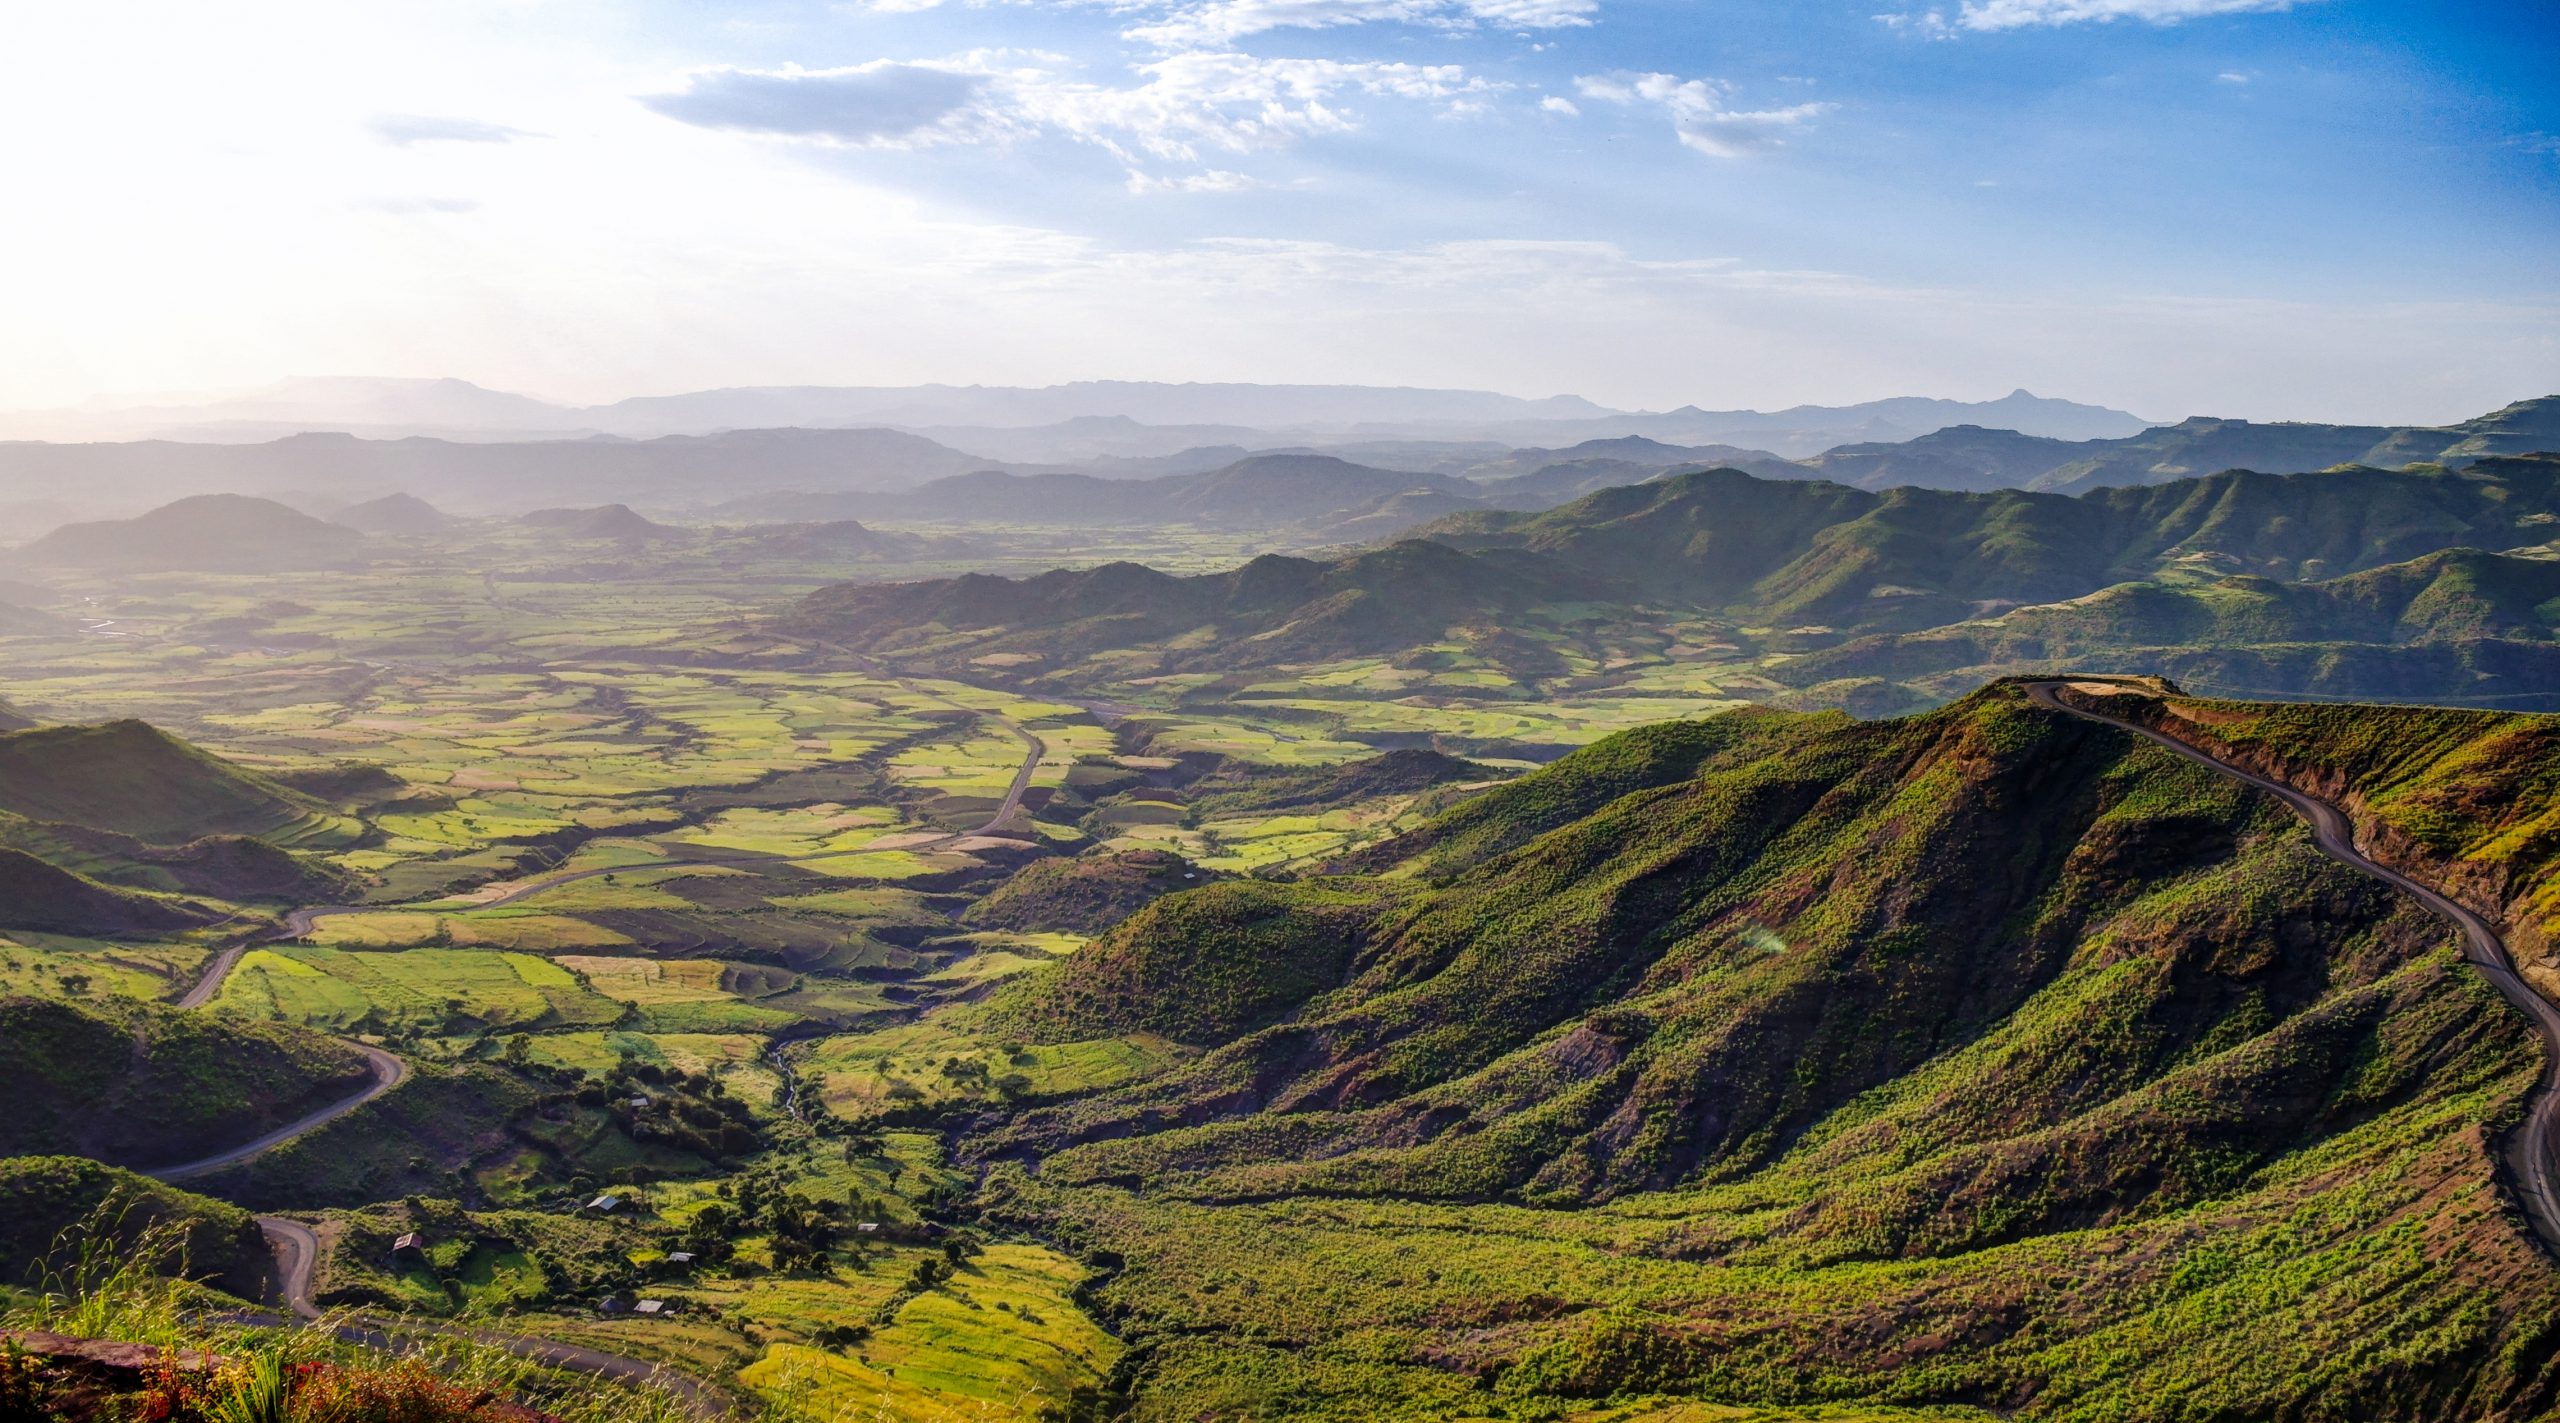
(208, 533)
(1085, 895)
(2457, 625)
(134, 779)
(142, 1086)
(1988, 1057)
(46, 1202)
(233, 867)
(35, 895)
(2468, 800)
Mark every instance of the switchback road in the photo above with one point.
(2529, 1148)
(297, 1250)
(388, 1072)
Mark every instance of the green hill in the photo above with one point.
(47, 1204)
(1972, 457)
(144, 1086)
(1988, 1057)
(1798, 566)
(207, 533)
(36, 895)
(1085, 895)
(133, 779)
(2456, 625)
(1274, 609)
(232, 867)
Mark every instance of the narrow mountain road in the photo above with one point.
(297, 1250)
(2529, 1148)
(388, 1072)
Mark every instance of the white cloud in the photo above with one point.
(402, 130)
(2021, 14)
(1559, 104)
(1184, 105)
(1220, 22)
(878, 104)
(1992, 15)
(1213, 180)
(1699, 113)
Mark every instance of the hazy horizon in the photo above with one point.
(2332, 210)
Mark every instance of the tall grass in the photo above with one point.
(104, 1280)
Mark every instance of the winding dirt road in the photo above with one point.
(297, 1250)
(2529, 1148)
(388, 1072)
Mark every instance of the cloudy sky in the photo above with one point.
(2320, 209)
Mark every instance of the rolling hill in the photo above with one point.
(1974, 457)
(143, 1086)
(1809, 564)
(1274, 609)
(204, 533)
(1987, 1058)
(39, 896)
(396, 516)
(2460, 624)
(617, 523)
(133, 779)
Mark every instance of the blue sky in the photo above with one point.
(2331, 209)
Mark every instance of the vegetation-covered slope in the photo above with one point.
(134, 779)
(46, 1202)
(2460, 623)
(1785, 567)
(38, 896)
(1085, 895)
(144, 1086)
(1985, 1057)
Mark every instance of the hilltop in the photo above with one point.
(37, 895)
(616, 522)
(132, 778)
(1969, 1059)
(395, 515)
(206, 533)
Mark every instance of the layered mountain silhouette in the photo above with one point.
(1811, 564)
(206, 533)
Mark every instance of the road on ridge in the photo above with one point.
(2529, 1147)
(297, 1251)
(388, 1072)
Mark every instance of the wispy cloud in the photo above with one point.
(1222, 22)
(402, 130)
(881, 103)
(1183, 107)
(1699, 113)
(1993, 15)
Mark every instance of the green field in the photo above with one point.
(412, 988)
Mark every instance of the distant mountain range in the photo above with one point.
(2419, 583)
(1046, 425)
(1356, 491)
